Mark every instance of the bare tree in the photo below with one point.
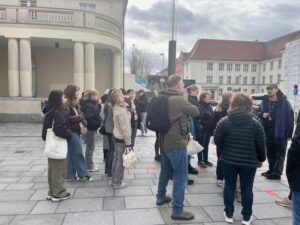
(142, 62)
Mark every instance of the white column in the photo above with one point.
(116, 79)
(89, 67)
(25, 68)
(79, 65)
(13, 68)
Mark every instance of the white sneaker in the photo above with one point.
(227, 220)
(247, 222)
(123, 185)
(94, 169)
(219, 182)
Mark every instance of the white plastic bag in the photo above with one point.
(193, 147)
(56, 147)
(128, 157)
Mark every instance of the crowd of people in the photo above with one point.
(244, 139)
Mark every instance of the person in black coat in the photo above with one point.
(91, 111)
(55, 119)
(143, 102)
(293, 172)
(242, 140)
(206, 112)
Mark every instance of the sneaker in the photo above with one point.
(86, 178)
(190, 182)
(94, 169)
(244, 222)
(49, 197)
(202, 164)
(207, 163)
(119, 186)
(193, 171)
(219, 182)
(264, 174)
(157, 158)
(59, 199)
(183, 215)
(227, 219)
(167, 199)
(273, 176)
(285, 202)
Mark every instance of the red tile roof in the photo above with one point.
(210, 49)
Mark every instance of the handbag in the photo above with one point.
(193, 147)
(83, 129)
(102, 130)
(56, 147)
(128, 157)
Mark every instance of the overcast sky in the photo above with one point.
(148, 21)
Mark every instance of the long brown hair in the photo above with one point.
(70, 94)
(227, 96)
(241, 102)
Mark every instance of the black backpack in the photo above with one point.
(158, 119)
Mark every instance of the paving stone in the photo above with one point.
(44, 207)
(203, 189)
(15, 208)
(204, 199)
(14, 168)
(142, 182)
(138, 217)
(15, 195)
(133, 191)
(216, 213)
(94, 192)
(263, 222)
(140, 202)
(80, 205)
(4, 220)
(271, 185)
(25, 180)
(144, 176)
(283, 221)
(267, 211)
(38, 220)
(90, 218)
(264, 197)
(8, 179)
(200, 215)
(19, 186)
(3, 186)
(114, 203)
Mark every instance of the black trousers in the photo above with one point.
(156, 146)
(276, 152)
(204, 141)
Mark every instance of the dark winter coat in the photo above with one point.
(217, 116)
(194, 101)
(60, 128)
(242, 140)
(206, 112)
(143, 103)
(293, 160)
(73, 120)
(91, 113)
(284, 119)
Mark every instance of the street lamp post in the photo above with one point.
(163, 65)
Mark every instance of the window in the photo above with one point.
(279, 64)
(237, 67)
(264, 80)
(262, 91)
(253, 68)
(237, 79)
(245, 80)
(220, 79)
(220, 92)
(221, 66)
(271, 65)
(245, 90)
(209, 79)
(246, 67)
(229, 67)
(252, 91)
(271, 79)
(264, 67)
(28, 3)
(87, 7)
(210, 66)
(229, 80)
(229, 89)
(252, 80)
(279, 78)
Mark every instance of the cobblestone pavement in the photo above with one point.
(23, 188)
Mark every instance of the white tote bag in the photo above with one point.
(194, 147)
(128, 158)
(56, 147)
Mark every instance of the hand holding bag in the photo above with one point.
(56, 147)
(193, 147)
(83, 129)
(128, 157)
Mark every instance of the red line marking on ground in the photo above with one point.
(269, 192)
(151, 168)
(200, 169)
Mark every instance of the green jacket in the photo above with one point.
(179, 112)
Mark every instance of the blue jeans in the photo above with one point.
(76, 162)
(219, 171)
(296, 207)
(204, 139)
(173, 161)
(144, 127)
(247, 175)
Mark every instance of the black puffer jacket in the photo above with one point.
(242, 140)
(206, 112)
(194, 101)
(293, 160)
(91, 113)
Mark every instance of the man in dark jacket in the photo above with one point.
(143, 102)
(293, 173)
(276, 115)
